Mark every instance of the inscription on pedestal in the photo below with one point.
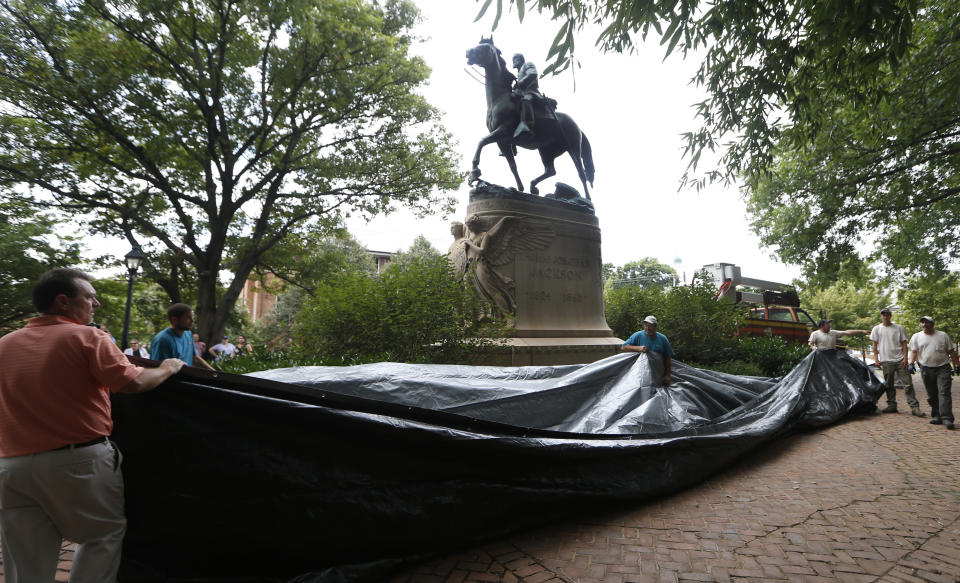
(555, 267)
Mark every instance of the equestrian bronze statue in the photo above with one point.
(553, 132)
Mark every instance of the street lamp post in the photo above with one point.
(133, 259)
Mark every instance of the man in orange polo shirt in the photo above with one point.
(59, 473)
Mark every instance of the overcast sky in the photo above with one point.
(633, 109)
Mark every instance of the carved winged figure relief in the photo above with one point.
(483, 254)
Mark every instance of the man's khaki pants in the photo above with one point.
(894, 375)
(74, 494)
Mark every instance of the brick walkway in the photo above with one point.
(874, 498)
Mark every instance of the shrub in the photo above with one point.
(263, 359)
(774, 356)
(699, 327)
(418, 313)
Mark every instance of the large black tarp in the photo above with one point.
(331, 473)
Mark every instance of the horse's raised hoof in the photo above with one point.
(473, 177)
(534, 190)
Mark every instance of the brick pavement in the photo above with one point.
(874, 498)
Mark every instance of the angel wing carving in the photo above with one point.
(512, 235)
(498, 246)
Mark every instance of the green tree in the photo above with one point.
(213, 130)
(421, 250)
(29, 246)
(766, 63)
(148, 310)
(301, 266)
(645, 272)
(415, 314)
(937, 297)
(306, 262)
(886, 177)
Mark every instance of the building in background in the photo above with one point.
(256, 300)
(382, 258)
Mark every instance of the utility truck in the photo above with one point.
(774, 307)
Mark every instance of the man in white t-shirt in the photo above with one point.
(824, 338)
(934, 351)
(890, 350)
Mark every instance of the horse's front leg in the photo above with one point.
(497, 135)
(507, 149)
(548, 171)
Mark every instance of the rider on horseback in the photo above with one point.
(527, 89)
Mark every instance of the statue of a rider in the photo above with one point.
(527, 88)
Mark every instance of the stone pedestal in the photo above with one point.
(556, 268)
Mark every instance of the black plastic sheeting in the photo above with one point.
(353, 471)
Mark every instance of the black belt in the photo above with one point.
(100, 439)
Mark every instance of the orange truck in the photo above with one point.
(774, 310)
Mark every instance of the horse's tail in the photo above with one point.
(586, 154)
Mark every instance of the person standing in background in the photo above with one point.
(136, 350)
(225, 349)
(177, 340)
(934, 350)
(244, 348)
(890, 350)
(823, 338)
(199, 347)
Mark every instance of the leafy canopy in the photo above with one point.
(29, 246)
(881, 182)
(937, 297)
(765, 62)
(212, 131)
(297, 267)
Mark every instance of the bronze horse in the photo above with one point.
(553, 136)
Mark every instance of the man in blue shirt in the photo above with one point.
(177, 340)
(649, 340)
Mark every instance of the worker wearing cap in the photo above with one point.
(890, 350)
(649, 340)
(934, 351)
(824, 338)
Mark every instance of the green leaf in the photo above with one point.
(558, 40)
(483, 9)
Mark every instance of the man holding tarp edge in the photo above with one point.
(59, 473)
(649, 340)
